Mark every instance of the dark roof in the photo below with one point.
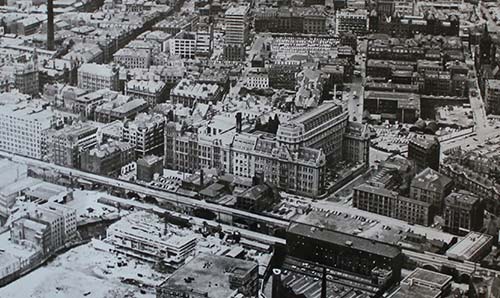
(339, 238)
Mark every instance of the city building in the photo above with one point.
(26, 78)
(212, 276)
(385, 202)
(424, 283)
(147, 166)
(345, 252)
(236, 32)
(144, 236)
(94, 77)
(133, 58)
(307, 20)
(350, 20)
(356, 146)
(393, 106)
(257, 78)
(25, 230)
(108, 159)
(145, 133)
(153, 92)
(425, 151)
(432, 187)
(24, 128)
(67, 144)
(188, 92)
(492, 96)
(184, 45)
(473, 247)
(463, 211)
(121, 107)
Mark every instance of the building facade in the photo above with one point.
(463, 211)
(67, 144)
(236, 33)
(94, 77)
(145, 133)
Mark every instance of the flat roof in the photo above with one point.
(428, 277)
(209, 274)
(339, 238)
(468, 247)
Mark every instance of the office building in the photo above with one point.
(145, 133)
(212, 276)
(67, 144)
(236, 33)
(147, 166)
(344, 252)
(425, 152)
(382, 201)
(153, 92)
(393, 106)
(184, 45)
(94, 77)
(133, 58)
(24, 128)
(432, 187)
(463, 212)
(350, 20)
(307, 20)
(492, 96)
(25, 230)
(108, 159)
(188, 92)
(121, 107)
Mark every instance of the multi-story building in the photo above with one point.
(26, 78)
(137, 235)
(153, 92)
(147, 166)
(492, 96)
(24, 128)
(319, 128)
(108, 159)
(68, 215)
(349, 20)
(184, 45)
(25, 230)
(93, 76)
(257, 78)
(356, 144)
(432, 187)
(133, 58)
(383, 201)
(392, 106)
(145, 133)
(344, 252)
(472, 248)
(66, 144)
(310, 20)
(235, 39)
(121, 107)
(188, 93)
(212, 276)
(463, 211)
(425, 151)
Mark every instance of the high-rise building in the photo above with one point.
(463, 212)
(431, 186)
(236, 21)
(492, 96)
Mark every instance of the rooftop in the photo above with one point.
(358, 243)
(468, 247)
(210, 275)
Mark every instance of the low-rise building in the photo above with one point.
(212, 276)
(473, 247)
(144, 236)
(424, 283)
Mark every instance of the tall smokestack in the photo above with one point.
(50, 25)
(275, 293)
(323, 284)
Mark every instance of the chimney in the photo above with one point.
(276, 283)
(202, 177)
(323, 283)
(50, 25)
